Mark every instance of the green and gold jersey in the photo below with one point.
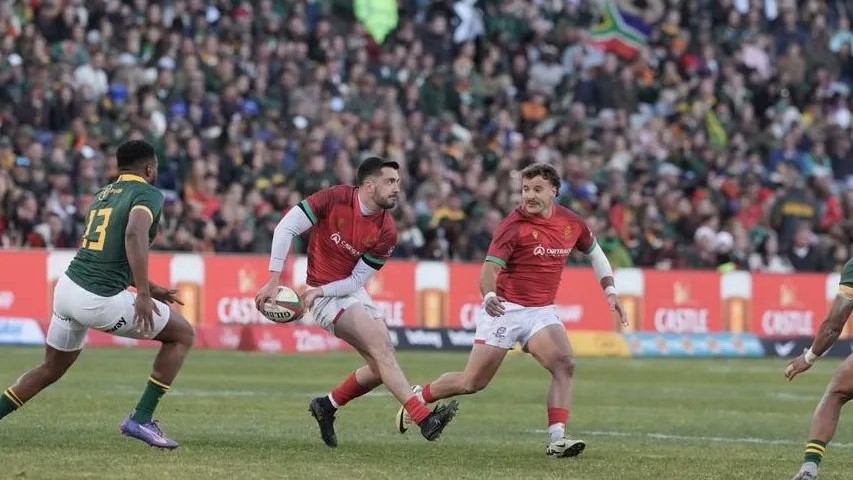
(101, 265)
(846, 282)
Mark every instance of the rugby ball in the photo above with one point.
(286, 307)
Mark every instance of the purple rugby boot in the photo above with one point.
(148, 432)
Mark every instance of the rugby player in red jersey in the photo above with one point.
(352, 235)
(519, 283)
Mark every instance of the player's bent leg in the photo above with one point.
(839, 391)
(177, 338)
(323, 409)
(825, 418)
(552, 349)
(369, 336)
(483, 363)
(56, 363)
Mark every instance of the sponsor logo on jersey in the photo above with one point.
(542, 251)
(339, 241)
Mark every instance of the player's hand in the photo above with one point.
(143, 312)
(266, 294)
(495, 306)
(165, 295)
(796, 367)
(615, 306)
(311, 295)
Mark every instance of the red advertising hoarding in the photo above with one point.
(681, 302)
(787, 305)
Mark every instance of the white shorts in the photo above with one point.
(75, 310)
(327, 310)
(517, 324)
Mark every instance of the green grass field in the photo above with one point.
(244, 416)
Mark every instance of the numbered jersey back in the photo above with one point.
(101, 265)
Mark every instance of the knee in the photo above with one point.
(188, 338)
(841, 395)
(185, 335)
(563, 365)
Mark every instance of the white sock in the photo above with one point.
(334, 403)
(557, 431)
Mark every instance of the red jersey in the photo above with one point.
(342, 234)
(533, 250)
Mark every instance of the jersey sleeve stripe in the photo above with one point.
(306, 207)
(497, 261)
(591, 247)
(846, 291)
(373, 262)
(143, 207)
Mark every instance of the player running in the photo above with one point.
(353, 234)
(93, 293)
(519, 282)
(840, 388)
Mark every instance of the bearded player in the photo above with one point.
(353, 235)
(519, 283)
(92, 293)
(840, 388)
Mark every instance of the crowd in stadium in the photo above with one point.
(724, 143)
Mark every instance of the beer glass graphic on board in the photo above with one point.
(630, 283)
(736, 290)
(186, 272)
(432, 283)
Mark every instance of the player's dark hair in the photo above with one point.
(544, 170)
(134, 154)
(372, 166)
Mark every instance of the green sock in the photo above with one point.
(815, 450)
(9, 402)
(150, 398)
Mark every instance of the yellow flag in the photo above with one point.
(716, 133)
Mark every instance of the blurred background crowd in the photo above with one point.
(720, 139)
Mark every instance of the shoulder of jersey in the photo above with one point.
(567, 212)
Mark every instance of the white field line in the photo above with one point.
(696, 438)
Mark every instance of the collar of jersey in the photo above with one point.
(129, 177)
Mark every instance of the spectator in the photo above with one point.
(708, 149)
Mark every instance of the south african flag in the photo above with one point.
(620, 32)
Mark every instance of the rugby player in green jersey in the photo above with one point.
(93, 293)
(840, 388)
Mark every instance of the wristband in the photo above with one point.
(810, 357)
(489, 296)
(610, 290)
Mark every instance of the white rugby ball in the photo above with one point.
(286, 307)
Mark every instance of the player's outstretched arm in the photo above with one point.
(830, 329)
(295, 222)
(136, 248)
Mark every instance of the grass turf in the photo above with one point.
(245, 416)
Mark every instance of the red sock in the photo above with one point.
(427, 394)
(346, 391)
(416, 409)
(558, 415)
